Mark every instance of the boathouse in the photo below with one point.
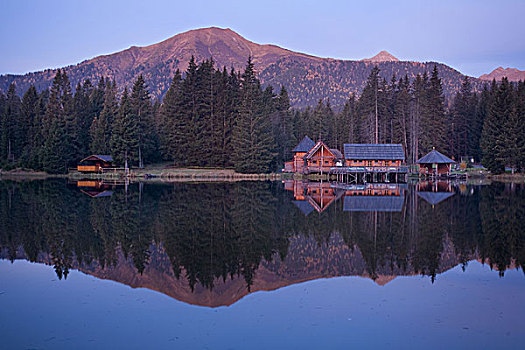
(321, 159)
(372, 163)
(435, 164)
(95, 163)
(298, 162)
(374, 155)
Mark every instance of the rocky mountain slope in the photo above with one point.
(306, 77)
(512, 74)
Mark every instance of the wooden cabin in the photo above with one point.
(320, 159)
(95, 163)
(374, 155)
(435, 164)
(297, 164)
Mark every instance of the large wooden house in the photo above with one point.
(95, 163)
(321, 159)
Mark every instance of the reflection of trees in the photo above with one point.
(502, 210)
(218, 231)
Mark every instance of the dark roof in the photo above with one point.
(435, 197)
(316, 147)
(337, 153)
(104, 158)
(305, 207)
(434, 157)
(386, 151)
(305, 145)
(373, 203)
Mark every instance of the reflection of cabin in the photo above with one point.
(435, 192)
(374, 197)
(321, 159)
(374, 155)
(311, 196)
(95, 163)
(297, 165)
(94, 189)
(435, 164)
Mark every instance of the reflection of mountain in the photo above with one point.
(211, 244)
(305, 260)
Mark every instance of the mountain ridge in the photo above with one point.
(512, 74)
(308, 78)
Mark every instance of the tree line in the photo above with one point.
(219, 118)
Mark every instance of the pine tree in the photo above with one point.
(125, 140)
(29, 115)
(491, 139)
(60, 138)
(173, 134)
(11, 138)
(252, 139)
(141, 109)
(433, 124)
(101, 128)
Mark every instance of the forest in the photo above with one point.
(213, 117)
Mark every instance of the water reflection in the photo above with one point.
(211, 244)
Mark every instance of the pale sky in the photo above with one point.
(473, 36)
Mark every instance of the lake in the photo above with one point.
(261, 265)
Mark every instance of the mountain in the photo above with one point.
(512, 74)
(383, 56)
(307, 78)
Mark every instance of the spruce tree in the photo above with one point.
(101, 128)
(433, 126)
(141, 109)
(252, 136)
(125, 140)
(492, 144)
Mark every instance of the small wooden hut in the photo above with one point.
(435, 164)
(95, 163)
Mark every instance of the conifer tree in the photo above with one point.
(125, 140)
(252, 138)
(29, 123)
(491, 139)
(433, 124)
(173, 132)
(141, 109)
(101, 128)
(10, 139)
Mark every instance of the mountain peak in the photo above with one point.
(383, 56)
(512, 74)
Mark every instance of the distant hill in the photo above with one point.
(512, 74)
(383, 56)
(307, 78)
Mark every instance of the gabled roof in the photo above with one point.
(434, 157)
(373, 203)
(104, 158)
(386, 151)
(435, 197)
(337, 153)
(305, 207)
(305, 145)
(315, 148)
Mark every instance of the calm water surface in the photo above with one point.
(261, 265)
